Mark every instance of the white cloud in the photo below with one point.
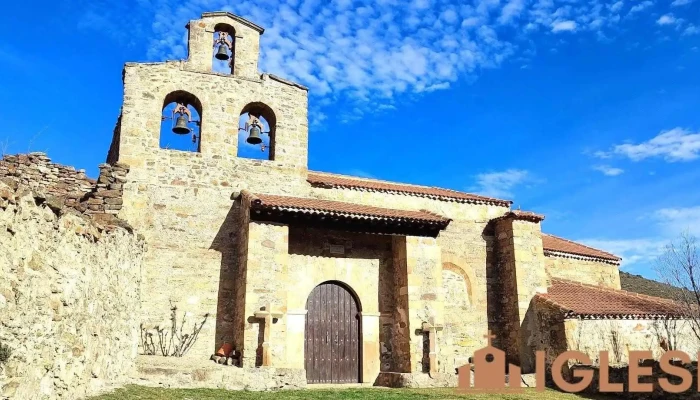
(616, 6)
(500, 184)
(511, 11)
(632, 251)
(667, 19)
(641, 6)
(675, 221)
(602, 154)
(368, 52)
(564, 26)
(691, 30)
(678, 3)
(677, 144)
(608, 170)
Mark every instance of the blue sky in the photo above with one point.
(586, 111)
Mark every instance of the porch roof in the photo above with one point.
(579, 300)
(340, 215)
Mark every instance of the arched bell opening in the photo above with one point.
(224, 49)
(181, 122)
(256, 132)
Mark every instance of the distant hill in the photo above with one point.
(641, 285)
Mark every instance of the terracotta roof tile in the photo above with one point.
(576, 299)
(341, 181)
(524, 216)
(317, 206)
(557, 244)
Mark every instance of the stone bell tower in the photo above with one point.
(244, 38)
(217, 101)
(180, 198)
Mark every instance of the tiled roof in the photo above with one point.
(576, 299)
(340, 181)
(327, 207)
(552, 243)
(524, 216)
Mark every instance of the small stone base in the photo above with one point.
(171, 372)
(415, 380)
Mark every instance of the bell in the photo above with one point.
(222, 53)
(181, 127)
(254, 137)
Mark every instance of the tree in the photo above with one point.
(679, 266)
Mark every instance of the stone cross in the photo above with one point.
(267, 314)
(431, 329)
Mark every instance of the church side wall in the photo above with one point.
(584, 271)
(619, 337)
(69, 301)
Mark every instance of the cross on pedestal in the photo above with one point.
(431, 329)
(267, 315)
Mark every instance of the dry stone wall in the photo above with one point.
(65, 187)
(36, 171)
(69, 299)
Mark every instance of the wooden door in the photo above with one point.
(332, 345)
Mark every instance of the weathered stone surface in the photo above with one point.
(582, 269)
(70, 300)
(190, 373)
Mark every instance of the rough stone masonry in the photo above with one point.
(214, 233)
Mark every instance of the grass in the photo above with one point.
(147, 393)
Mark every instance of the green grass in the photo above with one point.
(146, 393)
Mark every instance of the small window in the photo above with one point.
(180, 122)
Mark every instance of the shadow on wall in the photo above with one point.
(227, 242)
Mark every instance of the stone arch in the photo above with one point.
(342, 334)
(169, 120)
(450, 264)
(228, 65)
(344, 286)
(268, 120)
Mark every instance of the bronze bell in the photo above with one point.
(181, 127)
(222, 53)
(254, 136)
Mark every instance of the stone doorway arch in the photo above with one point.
(333, 335)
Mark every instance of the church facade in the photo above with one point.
(346, 278)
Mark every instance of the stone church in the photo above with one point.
(344, 278)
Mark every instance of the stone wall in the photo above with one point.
(246, 43)
(620, 337)
(69, 299)
(467, 250)
(37, 172)
(583, 269)
(361, 267)
(522, 276)
(183, 204)
(554, 334)
(63, 186)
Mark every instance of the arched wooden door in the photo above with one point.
(332, 345)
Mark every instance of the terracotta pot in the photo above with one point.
(225, 350)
